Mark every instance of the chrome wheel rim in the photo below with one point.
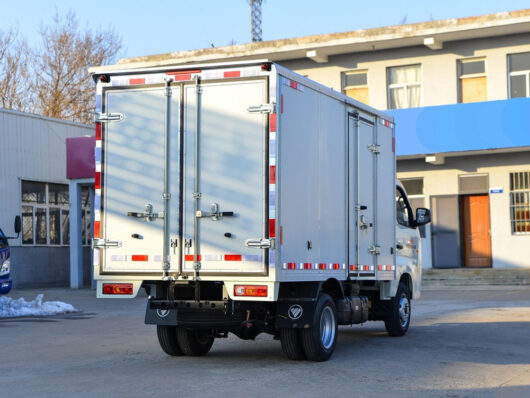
(327, 327)
(404, 311)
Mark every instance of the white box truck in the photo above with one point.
(245, 198)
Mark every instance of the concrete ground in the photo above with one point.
(463, 342)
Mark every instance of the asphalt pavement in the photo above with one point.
(463, 342)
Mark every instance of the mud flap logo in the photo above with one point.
(295, 311)
(162, 313)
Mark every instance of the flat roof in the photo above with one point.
(318, 47)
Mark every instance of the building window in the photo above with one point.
(519, 78)
(404, 87)
(414, 188)
(46, 214)
(473, 81)
(520, 202)
(356, 85)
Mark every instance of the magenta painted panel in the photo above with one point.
(80, 157)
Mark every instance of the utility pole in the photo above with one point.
(255, 16)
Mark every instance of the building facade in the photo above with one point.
(459, 92)
(34, 185)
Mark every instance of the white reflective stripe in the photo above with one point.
(120, 81)
(118, 257)
(98, 167)
(252, 257)
(284, 265)
(250, 72)
(97, 215)
(213, 257)
(96, 257)
(98, 143)
(212, 75)
(158, 257)
(98, 192)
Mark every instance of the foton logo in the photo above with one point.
(295, 311)
(162, 313)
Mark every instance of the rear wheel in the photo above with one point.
(195, 342)
(291, 344)
(397, 320)
(320, 340)
(167, 337)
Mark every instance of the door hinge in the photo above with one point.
(263, 108)
(374, 148)
(96, 242)
(374, 250)
(101, 117)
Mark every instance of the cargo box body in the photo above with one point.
(241, 174)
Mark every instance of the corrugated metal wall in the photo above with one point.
(32, 147)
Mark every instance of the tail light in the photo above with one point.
(250, 290)
(118, 288)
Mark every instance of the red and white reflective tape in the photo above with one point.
(386, 123)
(384, 267)
(314, 266)
(292, 84)
(224, 257)
(362, 268)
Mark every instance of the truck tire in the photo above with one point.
(291, 344)
(167, 337)
(320, 339)
(397, 320)
(194, 342)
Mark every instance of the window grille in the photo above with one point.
(520, 202)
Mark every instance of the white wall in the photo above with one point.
(508, 250)
(439, 68)
(32, 147)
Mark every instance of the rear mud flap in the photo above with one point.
(160, 316)
(295, 313)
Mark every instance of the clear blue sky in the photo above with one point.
(160, 26)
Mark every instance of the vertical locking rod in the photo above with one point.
(166, 196)
(196, 192)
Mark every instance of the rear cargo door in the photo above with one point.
(133, 179)
(230, 176)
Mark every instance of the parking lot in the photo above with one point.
(461, 343)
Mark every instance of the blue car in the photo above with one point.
(5, 261)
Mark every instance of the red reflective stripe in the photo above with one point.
(139, 257)
(293, 84)
(379, 267)
(272, 174)
(281, 103)
(189, 257)
(393, 144)
(139, 80)
(98, 131)
(232, 257)
(336, 266)
(272, 122)
(366, 268)
(308, 265)
(232, 73)
(97, 180)
(96, 229)
(291, 265)
(272, 228)
(353, 267)
(322, 266)
(182, 75)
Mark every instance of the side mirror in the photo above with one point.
(423, 216)
(18, 225)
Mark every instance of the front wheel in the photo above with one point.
(195, 342)
(397, 321)
(320, 339)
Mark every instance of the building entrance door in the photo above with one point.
(476, 239)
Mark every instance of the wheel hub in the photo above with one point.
(404, 311)
(327, 328)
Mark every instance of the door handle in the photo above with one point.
(399, 246)
(260, 243)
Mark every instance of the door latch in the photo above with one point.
(96, 242)
(260, 243)
(215, 213)
(148, 215)
(101, 117)
(374, 250)
(263, 108)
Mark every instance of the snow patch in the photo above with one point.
(11, 308)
